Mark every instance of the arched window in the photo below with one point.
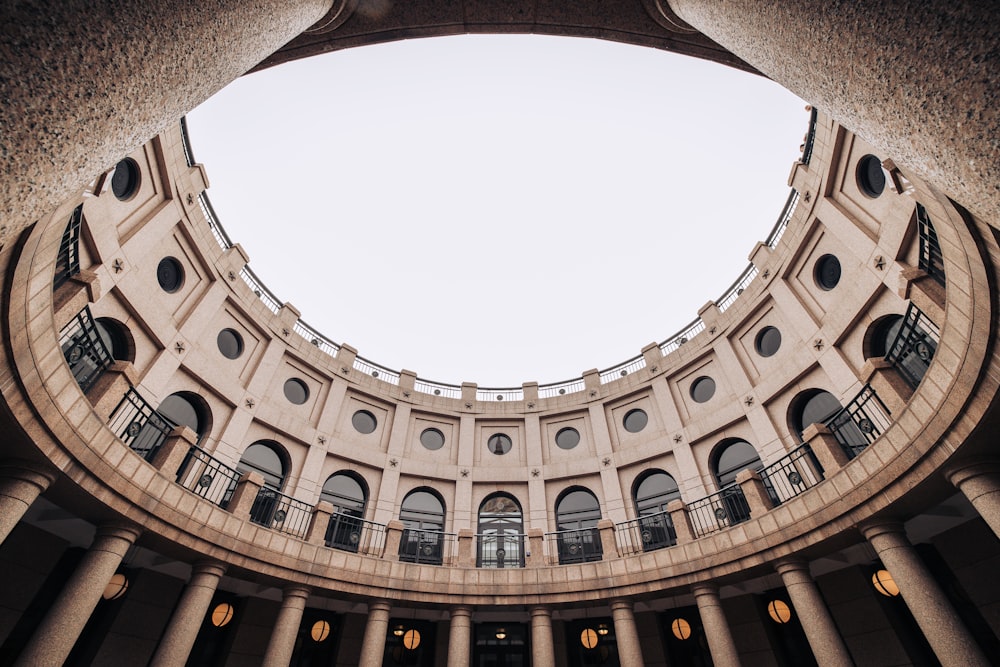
(882, 334)
(812, 407)
(501, 533)
(653, 491)
(187, 409)
(731, 459)
(91, 345)
(577, 514)
(348, 495)
(422, 514)
(908, 343)
(266, 459)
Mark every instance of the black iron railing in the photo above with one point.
(352, 533)
(429, 547)
(68, 259)
(860, 422)
(500, 550)
(210, 478)
(930, 260)
(138, 425)
(575, 546)
(85, 351)
(912, 349)
(274, 509)
(792, 474)
(722, 509)
(807, 149)
(646, 533)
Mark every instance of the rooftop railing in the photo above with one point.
(792, 474)
(720, 510)
(860, 422)
(561, 388)
(376, 371)
(354, 534)
(275, 510)
(503, 394)
(438, 389)
(807, 148)
(786, 216)
(683, 337)
(735, 290)
(316, 338)
(621, 370)
(646, 533)
(203, 474)
(264, 294)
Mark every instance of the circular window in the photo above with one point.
(768, 341)
(125, 180)
(871, 178)
(431, 438)
(702, 389)
(499, 443)
(296, 391)
(365, 422)
(827, 272)
(567, 438)
(170, 274)
(635, 421)
(230, 343)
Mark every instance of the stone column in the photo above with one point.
(827, 645)
(182, 630)
(460, 637)
(21, 482)
(979, 481)
(543, 652)
(918, 79)
(629, 646)
(720, 639)
(952, 643)
(286, 627)
(54, 637)
(373, 645)
(97, 78)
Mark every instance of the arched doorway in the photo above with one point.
(653, 491)
(577, 538)
(500, 535)
(349, 496)
(422, 514)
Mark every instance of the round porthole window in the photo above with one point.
(702, 389)
(499, 443)
(125, 180)
(827, 272)
(635, 421)
(870, 176)
(364, 422)
(768, 341)
(432, 439)
(230, 343)
(567, 438)
(296, 391)
(169, 274)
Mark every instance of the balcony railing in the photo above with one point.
(500, 550)
(930, 260)
(138, 425)
(646, 533)
(913, 348)
(860, 422)
(575, 546)
(427, 547)
(720, 510)
(792, 474)
(354, 534)
(84, 349)
(68, 259)
(210, 478)
(274, 509)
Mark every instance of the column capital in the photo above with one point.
(791, 564)
(118, 529)
(705, 589)
(39, 474)
(540, 610)
(622, 603)
(379, 605)
(296, 591)
(876, 528)
(962, 471)
(212, 567)
(460, 610)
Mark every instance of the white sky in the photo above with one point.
(498, 209)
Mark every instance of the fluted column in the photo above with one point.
(84, 82)
(980, 483)
(952, 643)
(21, 482)
(286, 627)
(626, 634)
(373, 645)
(917, 79)
(720, 639)
(543, 652)
(182, 630)
(460, 637)
(827, 645)
(54, 637)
